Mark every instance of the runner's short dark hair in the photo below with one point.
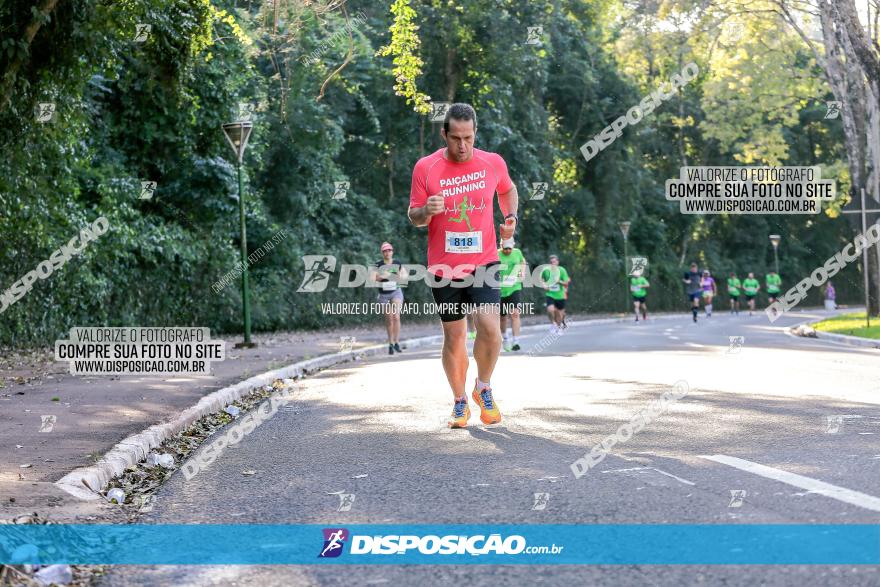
(460, 111)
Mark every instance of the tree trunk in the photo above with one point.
(9, 76)
(861, 70)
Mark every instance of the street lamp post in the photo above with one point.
(238, 133)
(624, 230)
(774, 240)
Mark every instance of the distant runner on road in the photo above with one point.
(387, 273)
(555, 280)
(693, 288)
(638, 286)
(750, 288)
(513, 268)
(733, 288)
(453, 193)
(710, 290)
(774, 286)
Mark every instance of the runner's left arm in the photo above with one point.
(508, 199)
(509, 204)
(567, 278)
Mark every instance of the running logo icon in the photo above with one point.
(340, 188)
(539, 190)
(541, 500)
(736, 344)
(141, 32)
(834, 424)
(246, 110)
(737, 496)
(533, 35)
(334, 540)
(318, 270)
(438, 111)
(346, 500)
(47, 423)
(147, 190)
(832, 110)
(638, 265)
(45, 111)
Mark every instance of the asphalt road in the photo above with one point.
(377, 430)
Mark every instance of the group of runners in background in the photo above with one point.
(511, 273)
(701, 286)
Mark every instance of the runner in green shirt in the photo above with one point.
(750, 288)
(555, 280)
(638, 285)
(774, 285)
(513, 266)
(733, 287)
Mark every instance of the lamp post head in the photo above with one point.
(624, 228)
(238, 133)
(774, 239)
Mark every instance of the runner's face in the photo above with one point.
(387, 254)
(506, 250)
(554, 261)
(459, 140)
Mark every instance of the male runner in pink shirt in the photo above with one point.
(453, 194)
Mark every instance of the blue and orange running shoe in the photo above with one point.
(489, 412)
(461, 413)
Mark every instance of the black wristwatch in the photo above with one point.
(511, 216)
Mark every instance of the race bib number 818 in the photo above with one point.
(464, 242)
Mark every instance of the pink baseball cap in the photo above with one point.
(386, 246)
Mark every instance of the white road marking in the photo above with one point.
(685, 481)
(674, 338)
(695, 345)
(813, 485)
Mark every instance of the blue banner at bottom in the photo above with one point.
(204, 544)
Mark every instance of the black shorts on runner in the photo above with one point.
(641, 299)
(475, 295)
(558, 304)
(750, 297)
(697, 295)
(508, 301)
(735, 298)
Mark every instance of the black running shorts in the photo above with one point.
(453, 301)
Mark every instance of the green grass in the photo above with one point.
(851, 324)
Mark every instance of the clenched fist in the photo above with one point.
(435, 205)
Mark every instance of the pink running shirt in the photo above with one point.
(462, 237)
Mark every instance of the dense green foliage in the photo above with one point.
(129, 111)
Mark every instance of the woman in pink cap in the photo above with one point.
(390, 295)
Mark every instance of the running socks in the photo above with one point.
(481, 386)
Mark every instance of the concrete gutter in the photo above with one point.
(86, 482)
(844, 339)
(848, 340)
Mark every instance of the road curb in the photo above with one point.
(86, 482)
(838, 338)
